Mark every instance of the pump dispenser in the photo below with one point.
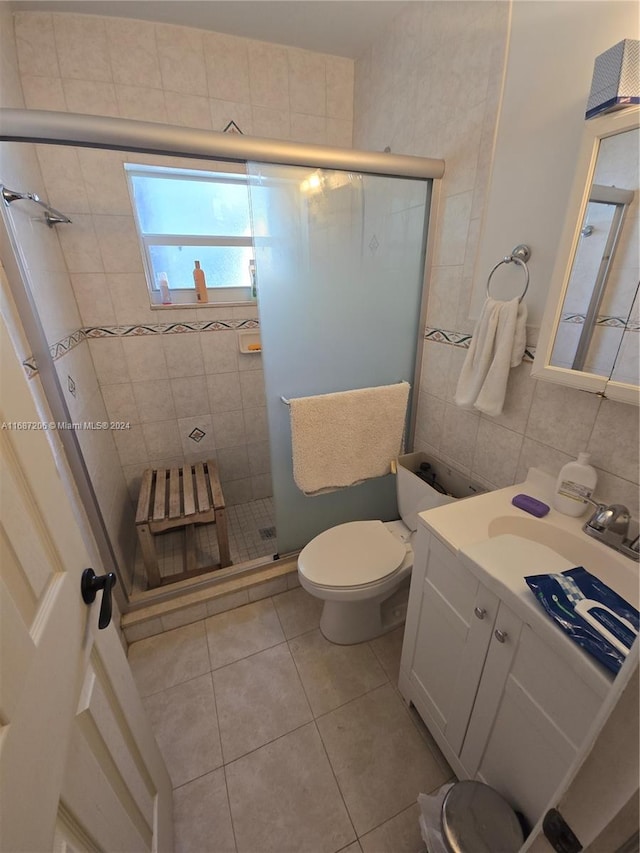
(200, 283)
(576, 482)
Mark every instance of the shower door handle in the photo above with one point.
(90, 583)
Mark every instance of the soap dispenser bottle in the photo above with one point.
(200, 283)
(576, 482)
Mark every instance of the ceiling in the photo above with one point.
(339, 27)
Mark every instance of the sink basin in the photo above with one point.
(611, 568)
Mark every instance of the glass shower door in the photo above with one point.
(339, 260)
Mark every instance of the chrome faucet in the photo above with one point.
(610, 524)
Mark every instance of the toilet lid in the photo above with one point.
(351, 554)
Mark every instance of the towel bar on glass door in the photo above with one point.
(520, 255)
(288, 402)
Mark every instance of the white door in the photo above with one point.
(79, 768)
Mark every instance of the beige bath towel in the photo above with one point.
(341, 439)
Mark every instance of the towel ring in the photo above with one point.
(520, 255)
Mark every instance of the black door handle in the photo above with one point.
(90, 583)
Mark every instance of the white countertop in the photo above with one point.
(501, 544)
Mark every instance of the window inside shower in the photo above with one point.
(188, 215)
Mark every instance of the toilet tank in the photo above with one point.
(416, 495)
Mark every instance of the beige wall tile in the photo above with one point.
(118, 243)
(460, 428)
(614, 442)
(162, 440)
(229, 429)
(141, 103)
(181, 56)
(252, 388)
(190, 396)
(130, 298)
(63, 178)
(154, 400)
(233, 463)
(188, 110)
(145, 357)
(130, 445)
(81, 42)
(133, 52)
(90, 97)
(496, 454)
(562, 417)
(340, 132)
(308, 128)
(224, 390)
(340, 80)
(43, 93)
(270, 123)
(93, 299)
(307, 82)
(219, 351)
(222, 112)
(35, 44)
(183, 355)
(227, 64)
(109, 360)
(120, 403)
(80, 246)
(268, 75)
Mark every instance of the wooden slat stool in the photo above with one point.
(180, 497)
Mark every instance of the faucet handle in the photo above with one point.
(614, 519)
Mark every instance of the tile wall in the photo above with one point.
(182, 76)
(49, 280)
(166, 385)
(431, 86)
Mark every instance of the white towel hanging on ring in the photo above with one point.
(497, 345)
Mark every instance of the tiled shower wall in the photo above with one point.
(431, 86)
(50, 283)
(172, 380)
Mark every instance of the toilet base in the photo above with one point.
(348, 622)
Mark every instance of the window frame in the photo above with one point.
(183, 296)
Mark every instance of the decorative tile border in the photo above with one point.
(62, 347)
(603, 320)
(168, 328)
(463, 340)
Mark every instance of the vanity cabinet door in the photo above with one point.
(455, 617)
(531, 714)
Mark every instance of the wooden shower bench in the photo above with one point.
(180, 497)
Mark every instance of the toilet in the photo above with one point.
(362, 569)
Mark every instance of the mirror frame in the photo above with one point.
(595, 131)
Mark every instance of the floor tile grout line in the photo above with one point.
(333, 773)
(233, 827)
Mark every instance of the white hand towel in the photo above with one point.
(342, 439)
(498, 344)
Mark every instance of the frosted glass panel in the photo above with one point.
(339, 260)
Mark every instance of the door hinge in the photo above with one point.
(559, 834)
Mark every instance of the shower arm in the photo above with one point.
(51, 215)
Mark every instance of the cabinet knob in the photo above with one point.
(500, 636)
(480, 612)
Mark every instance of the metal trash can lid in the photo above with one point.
(476, 819)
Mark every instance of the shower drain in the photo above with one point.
(267, 533)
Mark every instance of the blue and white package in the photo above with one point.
(590, 612)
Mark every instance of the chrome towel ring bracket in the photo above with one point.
(520, 255)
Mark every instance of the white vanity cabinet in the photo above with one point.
(503, 705)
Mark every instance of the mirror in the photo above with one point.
(590, 336)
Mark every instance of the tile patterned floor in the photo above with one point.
(278, 741)
(251, 529)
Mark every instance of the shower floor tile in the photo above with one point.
(252, 534)
(353, 771)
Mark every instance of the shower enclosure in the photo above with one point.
(339, 239)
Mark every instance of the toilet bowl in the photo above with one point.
(362, 569)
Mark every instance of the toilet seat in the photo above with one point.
(357, 553)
